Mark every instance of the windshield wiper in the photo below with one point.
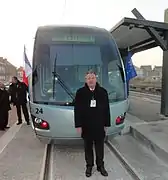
(61, 82)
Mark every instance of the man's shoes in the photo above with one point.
(88, 171)
(102, 171)
(19, 123)
(7, 127)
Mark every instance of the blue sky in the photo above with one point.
(20, 19)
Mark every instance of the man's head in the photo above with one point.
(2, 86)
(14, 79)
(90, 79)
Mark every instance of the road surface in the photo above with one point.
(145, 106)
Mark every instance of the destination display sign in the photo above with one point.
(74, 38)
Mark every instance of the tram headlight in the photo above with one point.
(41, 124)
(38, 120)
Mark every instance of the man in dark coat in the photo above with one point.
(4, 107)
(92, 116)
(18, 91)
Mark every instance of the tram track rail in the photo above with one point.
(46, 173)
(123, 161)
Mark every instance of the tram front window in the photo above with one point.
(71, 62)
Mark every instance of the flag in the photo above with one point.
(27, 70)
(25, 79)
(129, 68)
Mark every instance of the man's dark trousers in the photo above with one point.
(99, 150)
(25, 112)
(6, 118)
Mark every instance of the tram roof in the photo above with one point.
(53, 27)
(133, 33)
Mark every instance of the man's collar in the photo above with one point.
(97, 85)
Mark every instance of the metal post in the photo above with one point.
(164, 94)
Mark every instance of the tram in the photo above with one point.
(61, 57)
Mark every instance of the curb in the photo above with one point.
(158, 151)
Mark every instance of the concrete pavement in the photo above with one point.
(22, 157)
(142, 161)
(144, 147)
(154, 136)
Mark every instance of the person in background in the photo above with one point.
(4, 107)
(7, 113)
(92, 116)
(18, 91)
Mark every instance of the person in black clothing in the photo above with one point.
(7, 112)
(18, 91)
(92, 116)
(4, 107)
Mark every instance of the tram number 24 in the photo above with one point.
(39, 111)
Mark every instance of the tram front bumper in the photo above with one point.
(70, 140)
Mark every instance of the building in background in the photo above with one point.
(148, 75)
(146, 70)
(2, 70)
(158, 71)
(7, 70)
(139, 72)
(153, 74)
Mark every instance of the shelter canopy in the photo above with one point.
(134, 33)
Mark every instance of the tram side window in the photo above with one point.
(42, 72)
(115, 80)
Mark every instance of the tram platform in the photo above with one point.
(153, 135)
(143, 147)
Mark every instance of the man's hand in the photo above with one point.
(105, 129)
(13, 104)
(79, 130)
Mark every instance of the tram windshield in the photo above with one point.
(71, 60)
